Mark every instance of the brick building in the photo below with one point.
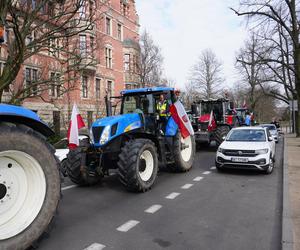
(111, 54)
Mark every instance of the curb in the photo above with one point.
(287, 242)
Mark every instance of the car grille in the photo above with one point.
(245, 153)
(97, 131)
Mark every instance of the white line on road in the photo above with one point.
(172, 196)
(187, 186)
(198, 178)
(128, 225)
(206, 172)
(95, 246)
(153, 209)
(69, 187)
(213, 168)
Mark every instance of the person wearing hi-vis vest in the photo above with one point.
(162, 108)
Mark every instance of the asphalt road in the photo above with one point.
(201, 209)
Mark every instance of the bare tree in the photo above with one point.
(151, 61)
(251, 70)
(206, 75)
(36, 28)
(280, 21)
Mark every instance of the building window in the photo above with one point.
(123, 7)
(108, 26)
(82, 10)
(55, 89)
(108, 58)
(51, 9)
(2, 65)
(109, 88)
(119, 31)
(82, 45)
(84, 87)
(53, 47)
(6, 38)
(92, 45)
(134, 64)
(127, 62)
(98, 85)
(30, 80)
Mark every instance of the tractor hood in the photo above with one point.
(106, 129)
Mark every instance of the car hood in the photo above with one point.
(238, 145)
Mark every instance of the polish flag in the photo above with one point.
(181, 118)
(76, 123)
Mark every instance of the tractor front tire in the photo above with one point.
(138, 165)
(77, 173)
(29, 186)
(184, 153)
(220, 133)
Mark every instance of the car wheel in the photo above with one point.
(269, 170)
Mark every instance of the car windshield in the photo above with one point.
(247, 135)
(270, 127)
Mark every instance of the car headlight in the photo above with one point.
(105, 135)
(91, 135)
(220, 150)
(262, 151)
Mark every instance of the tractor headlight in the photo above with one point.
(105, 135)
(91, 135)
(262, 151)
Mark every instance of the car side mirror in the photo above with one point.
(224, 137)
(270, 138)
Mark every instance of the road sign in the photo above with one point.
(293, 105)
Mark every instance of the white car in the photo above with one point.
(62, 150)
(247, 148)
(273, 131)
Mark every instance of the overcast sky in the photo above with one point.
(184, 28)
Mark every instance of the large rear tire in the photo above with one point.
(77, 173)
(184, 153)
(220, 133)
(138, 165)
(29, 186)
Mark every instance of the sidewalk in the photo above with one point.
(293, 161)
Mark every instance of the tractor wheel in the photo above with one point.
(138, 165)
(184, 152)
(77, 173)
(29, 186)
(220, 133)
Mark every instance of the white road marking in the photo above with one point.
(187, 186)
(95, 246)
(128, 225)
(206, 172)
(198, 178)
(153, 209)
(213, 168)
(172, 196)
(69, 187)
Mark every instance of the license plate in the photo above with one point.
(236, 159)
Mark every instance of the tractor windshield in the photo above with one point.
(138, 104)
(216, 107)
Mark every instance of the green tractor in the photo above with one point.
(136, 143)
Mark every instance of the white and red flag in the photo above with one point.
(76, 123)
(181, 118)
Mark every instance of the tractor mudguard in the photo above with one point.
(20, 115)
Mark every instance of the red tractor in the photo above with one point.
(212, 119)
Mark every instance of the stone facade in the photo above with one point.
(112, 46)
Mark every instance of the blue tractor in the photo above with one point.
(137, 142)
(29, 178)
